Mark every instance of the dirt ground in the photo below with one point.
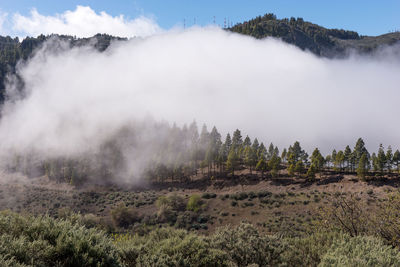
(289, 205)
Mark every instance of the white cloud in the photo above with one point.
(83, 22)
(3, 18)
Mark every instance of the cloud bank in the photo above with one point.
(77, 98)
(82, 22)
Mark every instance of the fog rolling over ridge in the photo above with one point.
(76, 99)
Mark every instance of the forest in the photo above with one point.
(183, 153)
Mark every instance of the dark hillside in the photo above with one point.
(12, 50)
(308, 36)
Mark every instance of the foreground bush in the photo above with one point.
(245, 246)
(170, 247)
(43, 241)
(360, 251)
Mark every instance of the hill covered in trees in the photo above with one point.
(309, 36)
(12, 50)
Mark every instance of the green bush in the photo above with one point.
(360, 251)
(245, 245)
(308, 250)
(43, 241)
(194, 203)
(170, 247)
(123, 216)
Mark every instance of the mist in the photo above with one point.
(76, 99)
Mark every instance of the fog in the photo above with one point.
(74, 99)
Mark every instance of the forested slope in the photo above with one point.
(309, 36)
(12, 50)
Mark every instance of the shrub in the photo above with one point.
(43, 241)
(208, 195)
(307, 251)
(169, 247)
(123, 216)
(194, 203)
(360, 251)
(166, 214)
(246, 246)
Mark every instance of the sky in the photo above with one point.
(368, 17)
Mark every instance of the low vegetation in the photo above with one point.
(43, 241)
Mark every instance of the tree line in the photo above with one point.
(179, 154)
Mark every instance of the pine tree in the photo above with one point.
(396, 159)
(291, 169)
(247, 142)
(381, 159)
(311, 172)
(237, 141)
(362, 168)
(262, 166)
(233, 161)
(283, 155)
(389, 159)
(359, 150)
(339, 160)
(296, 153)
(299, 168)
(317, 160)
(274, 164)
(262, 151)
(270, 152)
(228, 143)
(347, 157)
(255, 145)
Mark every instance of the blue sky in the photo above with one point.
(368, 17)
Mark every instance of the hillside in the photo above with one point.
(317, 39)
(12, 50)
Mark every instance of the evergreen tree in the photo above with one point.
(359, 150)
(317, 160)
(347, 157)
(375, 162)
(228, 143)
(250, 158)
(328, 160)
(204, 137)
(299, 168)
(274, 164)
(255, 145)
(389, 159)
(334, 154)
(362, 168)
(339, 160)
(270, 152)
(262, 165)
(396, 159)
(237, 141)
(296, 153)
(283, 155)
(233, 161)
(247, 142)
(262, 152)
(311, 172)
(291, 169)
(381, 159)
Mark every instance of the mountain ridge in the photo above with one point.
(315, 38)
